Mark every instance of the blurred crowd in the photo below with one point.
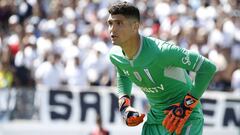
(66, 42)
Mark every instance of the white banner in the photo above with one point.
(73, 111)
(81, 106)
(221, 113)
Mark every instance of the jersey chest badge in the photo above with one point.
(137, 75)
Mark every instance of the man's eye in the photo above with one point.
(109, 23)
(119, 23)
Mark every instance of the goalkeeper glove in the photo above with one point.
(130, 115)
(178, 114)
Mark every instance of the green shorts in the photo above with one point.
(191, 127)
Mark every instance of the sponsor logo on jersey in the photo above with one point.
(186, 59)
(152, 89)
(148, 74)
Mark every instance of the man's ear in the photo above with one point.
(135, 26)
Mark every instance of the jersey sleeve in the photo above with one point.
(124, 84)
(180, 57)
(192, 61)
(203, 77)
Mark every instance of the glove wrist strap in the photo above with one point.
(124, 102)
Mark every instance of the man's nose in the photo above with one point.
(112, 28)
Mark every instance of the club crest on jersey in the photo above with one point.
(137, 75)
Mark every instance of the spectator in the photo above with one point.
(6, 11)
(98, 64)
(99, 130)
(6, 75)
(236, 80)
(75, 73)
(50, 72)
(76, 27)
(6, 81)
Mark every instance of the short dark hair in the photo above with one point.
(126, 9)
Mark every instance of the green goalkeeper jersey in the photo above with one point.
(160, 69)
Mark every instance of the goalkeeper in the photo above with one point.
(159, 68)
